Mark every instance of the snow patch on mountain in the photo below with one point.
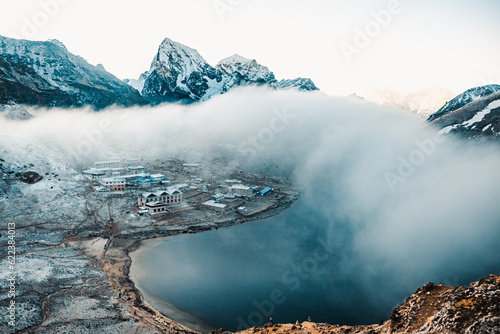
(481, 114)
(479, 118)
(465, 98)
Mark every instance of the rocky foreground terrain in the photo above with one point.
(431, 309)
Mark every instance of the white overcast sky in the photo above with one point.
(452, 43)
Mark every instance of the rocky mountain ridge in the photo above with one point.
(47, 74)
(477, 119)
(180, 73)
(465, 98)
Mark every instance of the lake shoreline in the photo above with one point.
(121, 251)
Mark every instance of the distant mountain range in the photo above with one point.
(47, 74)
(180, 73)
(424, 102)
(472, 114)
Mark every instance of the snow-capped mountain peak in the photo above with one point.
(179, 72)
(466, 97)
(46, 74)
(243, 71)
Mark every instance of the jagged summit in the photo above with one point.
(242, 71)
(180, 73)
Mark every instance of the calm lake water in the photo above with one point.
(289, 267)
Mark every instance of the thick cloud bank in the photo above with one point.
(401, 205)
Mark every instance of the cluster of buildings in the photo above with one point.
(233, 189)
(115, 175)
(118, 176)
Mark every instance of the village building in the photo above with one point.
(94, 174)
(156, 177)
(217, 197)
(265, 191)
(108, 164)
(168, 196)
(132, 162)
(213, 205)
(131, 177)
(240, 189)
(230, 196)
(102, 190)
(144, 182)
(156, 207)
(136, 169)
(181, 186)
(113, 184)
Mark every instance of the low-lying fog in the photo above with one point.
(400, 204)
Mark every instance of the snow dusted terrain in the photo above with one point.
(479, 118)
(46, 74)
(180, 73)
(463, 99)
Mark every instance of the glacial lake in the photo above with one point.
(290, 267)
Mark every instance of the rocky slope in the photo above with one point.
(180, 73)
(465, 98)
(423, 103)
(477, 119)
(431, 309)
(47, 74)
(240, 71)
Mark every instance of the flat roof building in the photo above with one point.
(264, 191)
(113, 184)
(156, 207)
(214, 205)
(240, 189)
(110, 163)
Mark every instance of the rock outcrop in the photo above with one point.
(431, 309)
